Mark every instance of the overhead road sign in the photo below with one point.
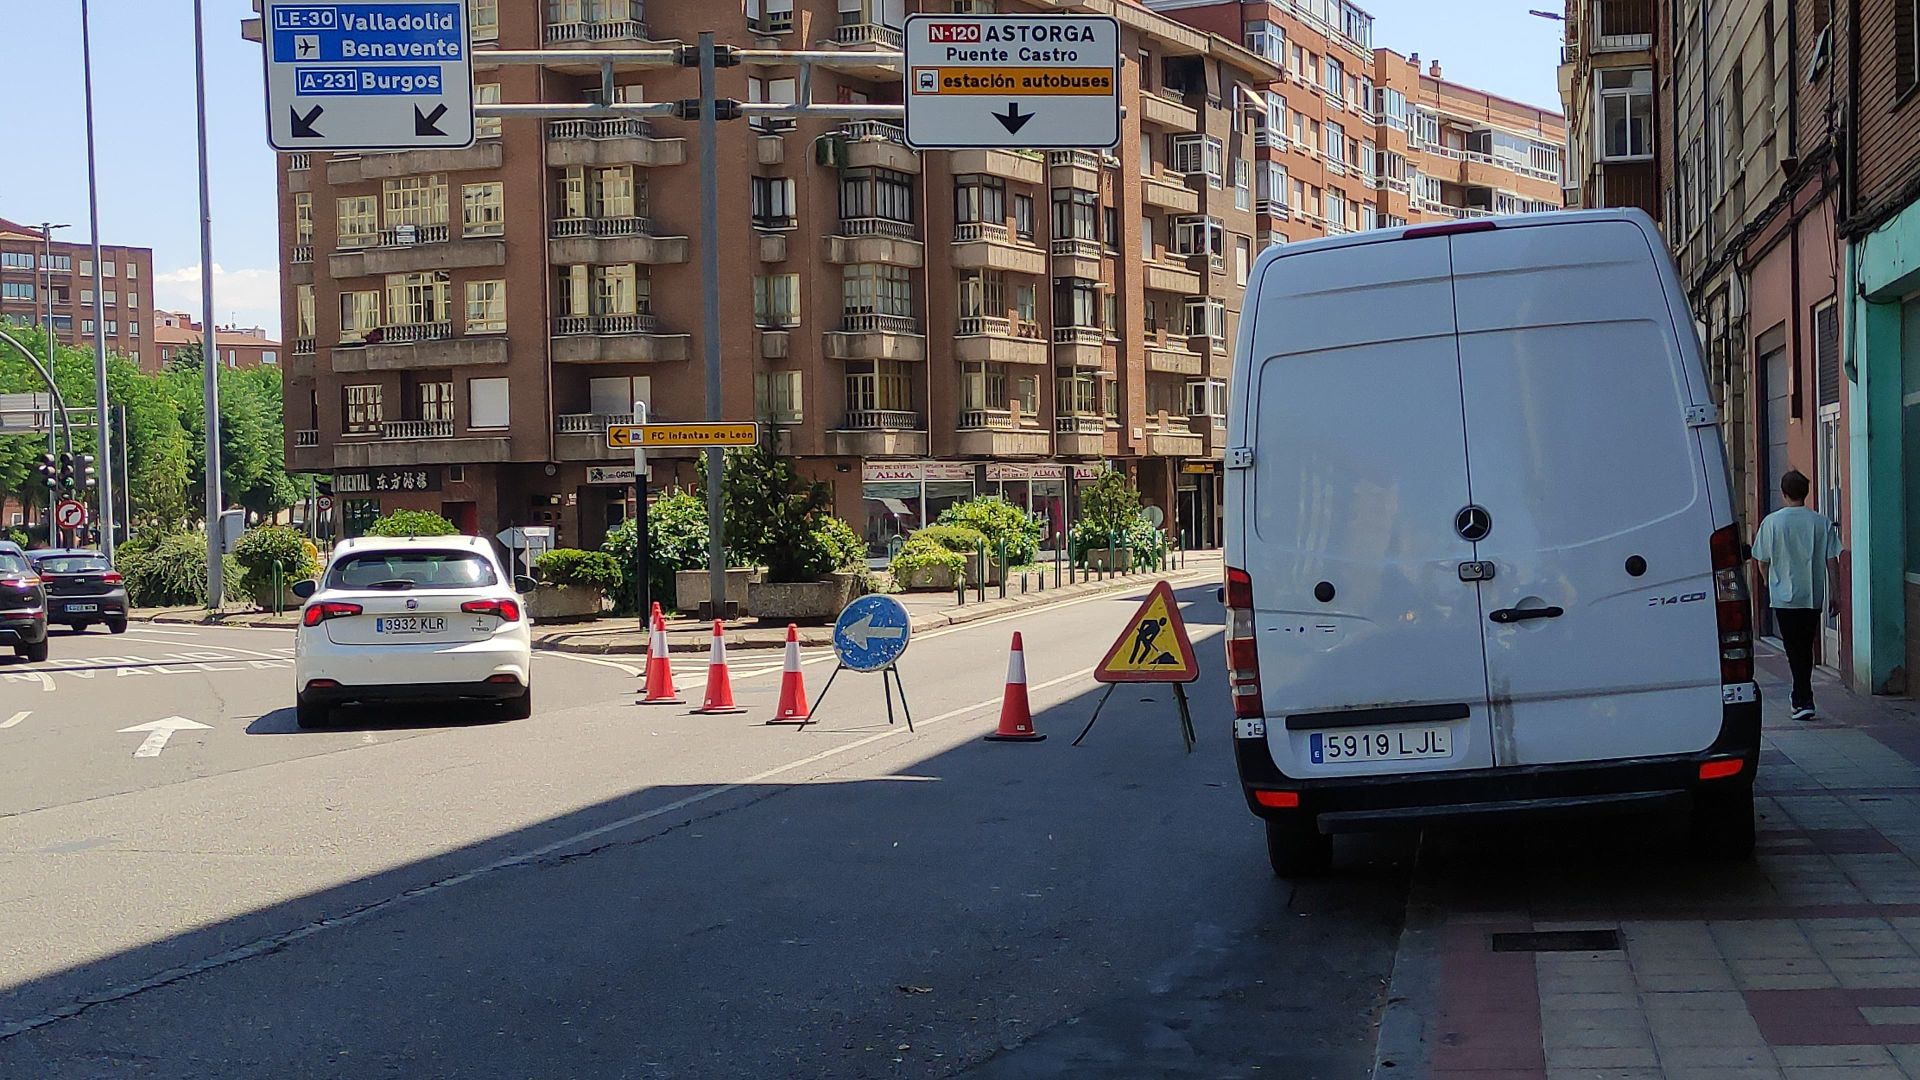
(628, 436)
(368, 75)
(1015, 82)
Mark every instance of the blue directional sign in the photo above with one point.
(368, 75)
(872, 633)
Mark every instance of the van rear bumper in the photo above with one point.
(1415, 800)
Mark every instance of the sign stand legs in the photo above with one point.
(886, 673)
(904, 711)
(1179, 696)
(1096, 713)
(837, 669)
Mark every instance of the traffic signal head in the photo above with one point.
(66, 469)
(45, 467)
(88, 477)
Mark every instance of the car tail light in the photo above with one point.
(28, 582)
(1243, 658)
(503, 680)
(112, 577)
(1732, 614)
(507, 610)
(327, 609)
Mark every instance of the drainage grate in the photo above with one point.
(1559, 941)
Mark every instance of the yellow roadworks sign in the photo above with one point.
(1025, 81)
(1154, 647)
(629, 436)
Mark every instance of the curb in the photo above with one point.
(1400, 1050)
(202, 618)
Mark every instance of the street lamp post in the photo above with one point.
(209, 353)
(102, 421)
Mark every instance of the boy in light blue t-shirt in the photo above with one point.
(1799, 552)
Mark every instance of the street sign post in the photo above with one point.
(642, 436)
(70, 514)
(1012, 81)
(368, 75)
(871, 634)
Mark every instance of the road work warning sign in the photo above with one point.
(1154, 647)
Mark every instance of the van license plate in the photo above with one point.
(409, 624)
(1391, 744)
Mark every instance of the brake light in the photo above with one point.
(327, 609)
(21, 582)
(112, 577)
(1720, 770)
(1448, 229)
(1243, 657)
(507, 610)
(1279, 800)
(1732, 615)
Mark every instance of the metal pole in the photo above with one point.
(126, 473)
(209, 351)
(103, 424)
(58, 416)
(53, 445)
(710, 325)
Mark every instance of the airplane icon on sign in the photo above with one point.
(306, 46)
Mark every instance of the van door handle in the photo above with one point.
(1515, 614)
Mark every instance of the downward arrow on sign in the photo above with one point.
(1013, 119)
(303, 125)
(428, 123)
(159, 731)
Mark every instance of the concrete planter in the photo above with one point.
(690, 587)
(563, 603)
(800, 601)
(1122, 559)
(939, 578)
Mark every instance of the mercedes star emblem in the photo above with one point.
(1473, 523)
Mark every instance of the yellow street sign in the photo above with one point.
(648, 436)
(1154, 647)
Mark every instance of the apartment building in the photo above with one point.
(34, 272)
(1611, 86)
(237, 346)
(918, 328)
(1352, 137)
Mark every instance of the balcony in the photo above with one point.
(411, 248)
(1081, 436)
(1075, 169)
(302, 346)
(1078, 257)
(878, 433)
(583, 436)
(625, 140)
(1169, 191)
(1174, 358)
(401, 430)
(1171, 277)
(1000, 433)
(1157, 107)
(996, 340)
(1623, 25)
(598, 34)
(989, 246)
(1020, 166)
(869, 336)
(1173, 436)
(360, 168)
(856, 38)
(1081, 347)
(875, 240)
(606, 241)
(302, 253)
(615, 339)
(299, 162)
(306, 438)
(418, 442)
(877, 144)
(1272, 208)
(416, 346)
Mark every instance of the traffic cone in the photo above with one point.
(793, 687)
(659, 669)
(652, 617)
(1016, 716)
(719, 697)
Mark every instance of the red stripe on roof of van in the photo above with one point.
(1448, 229)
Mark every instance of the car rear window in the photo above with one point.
(410, 570)
(11, 564)
(75, 564)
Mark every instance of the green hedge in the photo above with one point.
(172, 572)
(922, 552)
(572, 566)
(412, 523)
(261, 550)
(1002, 523)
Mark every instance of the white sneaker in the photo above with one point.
(1804, 714)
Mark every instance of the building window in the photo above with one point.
(16, 260)
(63, 263)
(1243, 184)
(86, 268)
(1333, 78)
(302, 311)
(1207, 397)
(776, 300)
(617, 395)
(1199, 236)
(133, 328)
(876, 193)
(1077, 395)
(770, 17)
(772, 91)
(980, 294)
(878, 385)
(1626, 114)
(1336, 208)
(133, 271)
(871, 289)
(773, 202)
(107, 269)
(1267, 39)
(605, 290)
(483, 210)
(1023, 216)
(486, 127)
(1242, 258)
(486, 307)
(1336, 143)
(982, 386)
(133, 299)
(588, 11)
(418, 299)
(358, 220)
(776, 396)
(1073, 214)
(1110, 219)
(113, 328)
(362, 408)
(268, 356)
(1906, 47)
(420, 201)
(86, 326)
(303, 218)
(1205, 316)
(1273, 183)
(435, 401)
(979, 200)
(1146, 239)
(1110, 313)
(487, 403)
(359, 314)
(86, 297)
(1026, 310)
(484, 17)
(1076, 303)
(1199, 153)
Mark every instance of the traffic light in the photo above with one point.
(45, 468)
(66, 470)
(88, 477)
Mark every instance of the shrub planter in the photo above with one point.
(800, 601)
(928, 579)
(264, 598)
(563, 603)
(690, 587)
(1122, 559)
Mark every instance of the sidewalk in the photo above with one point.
(1804, 963)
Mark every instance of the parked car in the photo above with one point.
(1481, 550)
(23, 605)
(82, 587)
(433, 619)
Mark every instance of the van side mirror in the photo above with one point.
(305, 589)
(523, 584)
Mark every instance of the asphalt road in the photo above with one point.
(616, 890)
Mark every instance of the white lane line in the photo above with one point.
(222, 647)
(147, 628)
(628, 668)
(15, 718)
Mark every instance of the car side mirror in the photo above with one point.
(523, 584)
(305, 589)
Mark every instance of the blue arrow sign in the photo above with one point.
(872, 633)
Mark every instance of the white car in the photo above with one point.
(414, 619)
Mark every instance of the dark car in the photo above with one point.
(82, 587)
(23, 605)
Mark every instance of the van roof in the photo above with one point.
(1508, 221)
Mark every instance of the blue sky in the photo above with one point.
(143, 86)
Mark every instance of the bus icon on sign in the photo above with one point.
(926, 80)
(954, 32)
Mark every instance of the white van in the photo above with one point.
(1481, 553)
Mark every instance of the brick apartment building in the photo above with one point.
(31, 270)
(919, 328)
(238, 346)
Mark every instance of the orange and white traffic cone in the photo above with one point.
(659, 668)
(719, 697)
(793, 687)
(1016, 716)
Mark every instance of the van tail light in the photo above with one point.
(1731, 610)
(1243, 658)
(327, 609)
(112, 577)
(507, 610)
(1449, 229)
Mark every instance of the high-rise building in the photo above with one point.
(1615, 90)
(33, 271)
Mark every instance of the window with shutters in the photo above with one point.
(1826, 351)
(361, 406)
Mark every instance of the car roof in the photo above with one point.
(380, 543)
(44, 553)
(10, 547)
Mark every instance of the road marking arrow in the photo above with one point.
(303, 125)
(1013, 119)
(428, 123)
(159, 731)
(15, 718)
(862, 630)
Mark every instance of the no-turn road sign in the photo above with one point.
(70, 514)
(1017, 82)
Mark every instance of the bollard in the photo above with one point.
(1003, 569)
(1113, 564)
(980, 586)
(960, 590)
(1057, 538)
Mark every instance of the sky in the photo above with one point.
(143, 90)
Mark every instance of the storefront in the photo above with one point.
(900, 497)
(1199, 486)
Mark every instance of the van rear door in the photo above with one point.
(1367, 637)
(1601, 639)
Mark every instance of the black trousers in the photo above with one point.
(1799, 628)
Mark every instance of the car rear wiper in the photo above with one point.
(393, 583)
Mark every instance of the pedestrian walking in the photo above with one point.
(1798, 550)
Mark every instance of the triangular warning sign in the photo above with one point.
(1154, 647)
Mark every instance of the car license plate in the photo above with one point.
(83, 607)
(1391, 744)
(409, 624)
